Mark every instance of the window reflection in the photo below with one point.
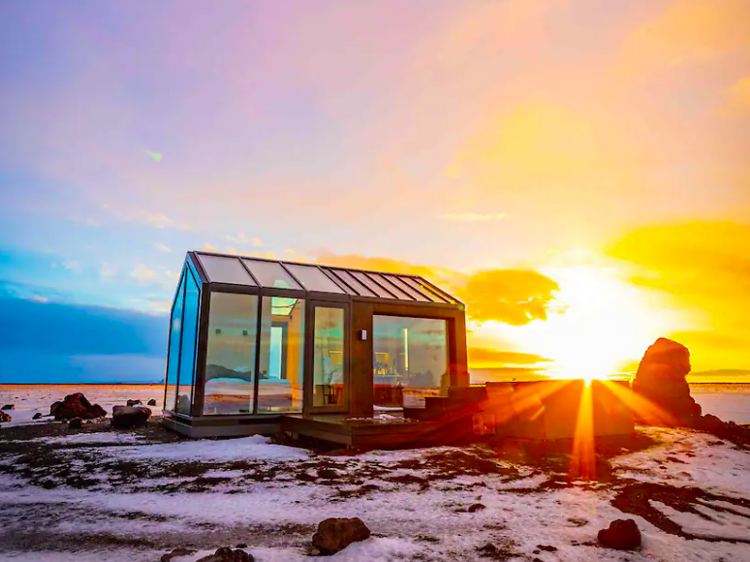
(410, 360)
(230, 359)
(328, 357)
(280, 386)
(173, 361)
(189, 336)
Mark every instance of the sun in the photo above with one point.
(600, 321)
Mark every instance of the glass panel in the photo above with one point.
(400, 294)
(271, 274)
(328, 357)
(352, 282)
(417, 284)
(280, 388)
(175, 331)
(364, 279)
(411, 360)
(189, 338)
(226, 270)
(398, 281)
(230, 358)
(313, 279)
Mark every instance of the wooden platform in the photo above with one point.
(369, 433)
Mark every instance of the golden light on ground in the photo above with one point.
(601, 320)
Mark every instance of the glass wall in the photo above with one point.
(410, 360)
(328, 357)
(281, 381)
(173, 361)
(189, 342)
(230, 357)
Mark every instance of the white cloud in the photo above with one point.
(107, 271)
(242, 238)
(72, 265)
(163, 247)
(208, 247)
(473, 217)
(37, 298)
(143, 274)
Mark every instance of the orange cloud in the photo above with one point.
(706, 267)
(485, 357)
(688, 31)
(737, 102)
(511, 296)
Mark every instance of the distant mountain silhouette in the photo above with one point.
(219, 372)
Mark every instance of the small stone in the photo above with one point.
(547, 547)
(622, 534)
(132, 403)
(37, 416)
(151, 402)
(476, 507)
(4, 417)
(177, 552)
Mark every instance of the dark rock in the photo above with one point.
(126, 417)
(547, 547)
(241, 545)
(151, 402)
(476, 507)
(661, 380)
(4, 417)
(37, 416)
(335, 534)
(709, 423)
(134, 402)
(76, 406)
(622, 534)
(8, 407)
(175, 553)
(226, 554)
(75, 423)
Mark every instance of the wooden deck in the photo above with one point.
(369, 433)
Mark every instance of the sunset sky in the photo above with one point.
(577, 172)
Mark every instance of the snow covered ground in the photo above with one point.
(99, 494)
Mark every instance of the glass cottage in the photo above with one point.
(255, 344)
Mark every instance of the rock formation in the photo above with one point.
(661, 380)
(125, 417)
(334, 534)
(76, 406)
(622, 534)
(4, 417)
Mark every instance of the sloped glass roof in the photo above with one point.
(305, 277)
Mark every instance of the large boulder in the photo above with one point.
(622, 534)
(661, 380)
(8, 407)
(76, 406)
(334, 534)
(226, 554)
(126, 417)
(134, 402)
(4, 417)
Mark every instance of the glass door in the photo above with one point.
(328, 358)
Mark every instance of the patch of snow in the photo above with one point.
(256, 448)
(93, 437)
